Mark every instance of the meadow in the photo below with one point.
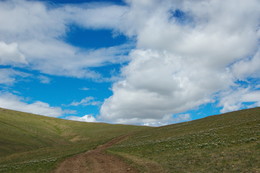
(33, 143)
(221, 143)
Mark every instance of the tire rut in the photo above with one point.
(96, 161)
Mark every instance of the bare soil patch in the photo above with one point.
(96, 161)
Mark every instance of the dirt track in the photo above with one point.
(96, 161)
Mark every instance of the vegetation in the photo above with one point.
(33, 143)
(220, 143)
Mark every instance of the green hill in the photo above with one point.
(221, 143)
(33, 143)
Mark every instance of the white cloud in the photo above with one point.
(156, 85)
(97, 15)
(232, 100)
(44, 79)
(86, 102)
(10, 54)
(31, 34)
(166, 119)
(175, 66)
(67, 111)
(179, 66)
(9, 76)
(57, 58)
(247, 67)
(10, 101)
(86, 118)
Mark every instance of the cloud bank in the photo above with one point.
(32, 35)
(85, 118)
(13, 102)
(188, 52)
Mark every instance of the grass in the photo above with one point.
(33, 143)
(220, 143)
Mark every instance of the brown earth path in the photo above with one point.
(96, 161)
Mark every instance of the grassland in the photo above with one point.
(220, 143)
(32, 143)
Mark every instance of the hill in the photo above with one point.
(33, 143)
(220, 143)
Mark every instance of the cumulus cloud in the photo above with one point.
(166, 119)
(240, 98)
(178, 65)
(247, 67)
(186, 53)
(86, 118)
(10, 101)
(31, 34)
(10, 54)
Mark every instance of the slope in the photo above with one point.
(220, 143)
(33, 143)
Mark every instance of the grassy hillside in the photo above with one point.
(32, 143)
(221, 143)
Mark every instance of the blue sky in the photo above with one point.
(132, 62)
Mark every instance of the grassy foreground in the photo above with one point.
(221, 143)
(33, 143)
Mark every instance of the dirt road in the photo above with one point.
(96, 161)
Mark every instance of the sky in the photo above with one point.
(141, 62)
